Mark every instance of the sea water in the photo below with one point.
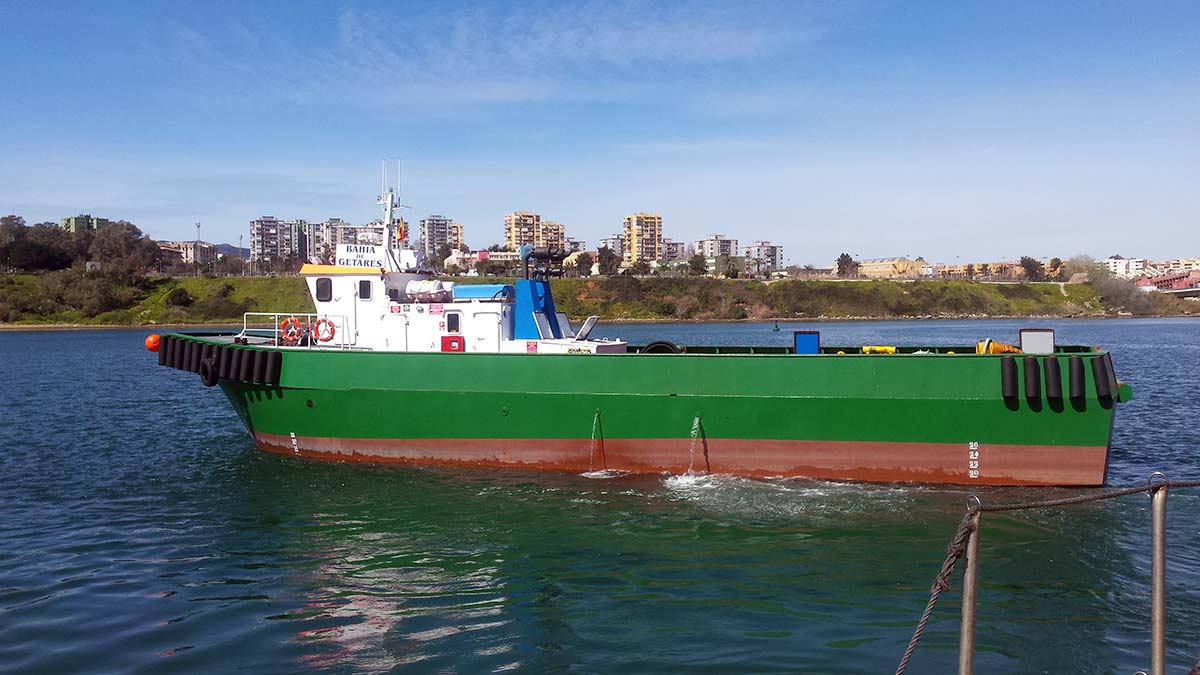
(141, 532)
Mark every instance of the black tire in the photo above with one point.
(208, 372)
(660, 347)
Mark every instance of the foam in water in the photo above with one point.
(604, 474)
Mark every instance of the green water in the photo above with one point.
(142, 533)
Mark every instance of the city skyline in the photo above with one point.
(928, 129)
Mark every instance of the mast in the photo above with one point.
(389, 200)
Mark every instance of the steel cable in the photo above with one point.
(958, 547)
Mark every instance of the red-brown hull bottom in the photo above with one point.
(883, 462)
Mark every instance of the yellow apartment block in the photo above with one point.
(643, 238)
(520, 228)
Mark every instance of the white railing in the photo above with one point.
(296, 329)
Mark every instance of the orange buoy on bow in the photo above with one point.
(152, 342)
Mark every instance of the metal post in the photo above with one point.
(966, 635)
(1158, 577)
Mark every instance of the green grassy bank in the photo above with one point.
(34, 299)
(28, 299)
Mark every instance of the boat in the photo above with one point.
(397, 366)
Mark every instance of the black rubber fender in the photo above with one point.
(208, 372)
(1054, 388)
(260, 366)
(274, 361)
(224, 361)
(1008, 377)
(1033, 378)
(1101, 374)
(162, 351)
(235, 363)
(246, 371)
(1075, 376)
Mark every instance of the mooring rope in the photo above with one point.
(958, 546)
(956, 549)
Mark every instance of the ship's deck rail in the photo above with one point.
(965, 544)
(296, 329)
(843, 350)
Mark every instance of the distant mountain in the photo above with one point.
(231, 250)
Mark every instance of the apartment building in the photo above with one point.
(717, 245)
(190, 252)
(674, 250)
(614, 243)
(520, 229)
(763, 256)
(643, 238)
(551, 235)
(83, 221)
(438, 231)
(275, 239)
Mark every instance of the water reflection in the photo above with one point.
(477, 571)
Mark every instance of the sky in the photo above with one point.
(953, 131)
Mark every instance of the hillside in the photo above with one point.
(714, 299)
(30, 299)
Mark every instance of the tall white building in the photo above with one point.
(673, 250)
(1126, 268)
(717, 245)
(615, 243)
(275, 239)
(765, 254)
(438, 231)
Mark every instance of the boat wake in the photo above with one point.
(604, 474)
(693, 481)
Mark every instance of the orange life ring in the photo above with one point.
(290, 330)
(320, 333)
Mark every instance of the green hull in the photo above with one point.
(903, 417)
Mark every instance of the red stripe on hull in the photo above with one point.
(872, 461)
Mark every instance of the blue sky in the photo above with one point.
(972, 130)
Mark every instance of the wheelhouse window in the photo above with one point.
(324, 289)
(453, 321)
(364, 290)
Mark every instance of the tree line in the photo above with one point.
(88, 271)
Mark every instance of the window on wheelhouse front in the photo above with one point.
(453, 319)
(324, 289)
(364, 290)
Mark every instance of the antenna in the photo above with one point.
(383, 180)
(399, 205)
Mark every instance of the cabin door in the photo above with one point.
(395, 332)
(484, 332)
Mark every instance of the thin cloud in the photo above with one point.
(502, 54)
